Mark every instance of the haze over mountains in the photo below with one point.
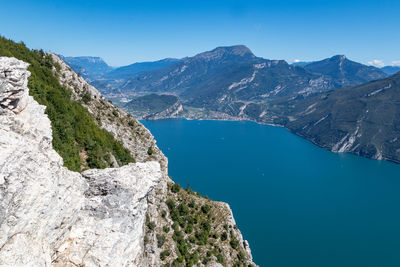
(336, 103)
(390, 70)
(100, 74)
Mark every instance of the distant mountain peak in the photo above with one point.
(236, 50)
(344, 71)
(339, 58)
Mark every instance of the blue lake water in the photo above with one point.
(296, 204)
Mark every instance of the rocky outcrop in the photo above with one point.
(13, 81)
(33, 182)
(109, 228)
(50, 215)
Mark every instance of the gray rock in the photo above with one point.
(50, 215)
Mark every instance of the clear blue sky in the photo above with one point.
(123, 32)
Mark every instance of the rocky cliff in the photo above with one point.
(50, 215)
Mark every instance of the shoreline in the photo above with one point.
(281, 126)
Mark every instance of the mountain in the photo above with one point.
(362, 120)
(344, 72)
(232, 83)
(117, 77)
(126, 72)
(390, 70)
(232, 79)
(217, 78)
(153, 106)
(91, 68)
(83, 183)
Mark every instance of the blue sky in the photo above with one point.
(123, 32)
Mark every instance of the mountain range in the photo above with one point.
(104, 77)
(389, 70)
(336, 103)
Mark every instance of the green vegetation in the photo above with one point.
(86, 97)
(150, 224)
(224, 236)
(160, 240)
(197, 234)
(164, 254)
(76, 136)
(175, 188)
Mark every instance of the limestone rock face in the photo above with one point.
(109, 230)
(50, 215)
(39, 198)
(13, 80)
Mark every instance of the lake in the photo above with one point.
(296, 204)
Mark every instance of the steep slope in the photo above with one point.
(126, 129)
(362, 120)
(344, 72)
(77, 136)
(114, 216)
(91, 68)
